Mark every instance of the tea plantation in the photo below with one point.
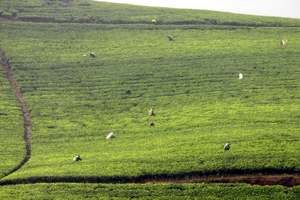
(191, 82)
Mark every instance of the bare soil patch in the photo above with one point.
(288, 180)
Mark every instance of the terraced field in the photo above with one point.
(74, 101)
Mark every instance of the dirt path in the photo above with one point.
(26, 116)
(288, 180)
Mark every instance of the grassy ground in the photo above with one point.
(191, 82)
(89, 11)
(147, 191)
(11, 132)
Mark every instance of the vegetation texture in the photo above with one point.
(191, 82)
(147, 191)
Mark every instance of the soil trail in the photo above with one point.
(26, 116)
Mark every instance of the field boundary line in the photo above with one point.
(25, 112)
(283, 179)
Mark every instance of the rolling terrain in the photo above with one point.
(70, 102)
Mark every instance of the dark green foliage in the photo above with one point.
(147, 191)
(191, 82)
(88, 11)
(11, 132)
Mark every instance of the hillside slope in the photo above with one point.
(191, 82)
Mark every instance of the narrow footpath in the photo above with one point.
(25, 112)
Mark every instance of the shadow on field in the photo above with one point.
(101, 21)
(284, 179)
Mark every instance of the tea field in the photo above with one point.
(191, 83)
(88, 11)
(11, 132)
(146, 191)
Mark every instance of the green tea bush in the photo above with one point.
(88, 11)
(191, 83)
(12, 145)
(146, 191)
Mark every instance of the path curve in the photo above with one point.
(25, 112)
(284, 179)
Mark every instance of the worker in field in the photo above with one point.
(283, 42)
(151, 112)
(128, 91)
(226, 146)
(77, 158)
(152, 123)
(92, 54)
(170, 37)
